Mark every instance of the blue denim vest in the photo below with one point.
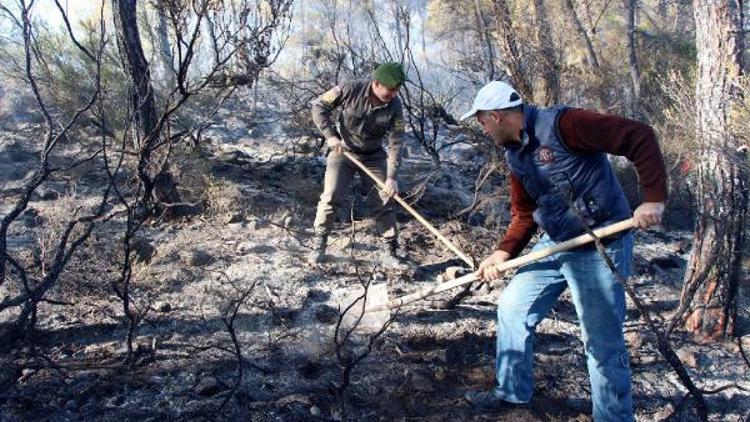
(556, 177)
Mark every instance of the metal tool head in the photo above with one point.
(356, 308)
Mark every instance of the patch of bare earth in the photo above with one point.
(241, 327)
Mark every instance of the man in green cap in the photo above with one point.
(368, 110)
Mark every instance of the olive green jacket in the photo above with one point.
(361, 126)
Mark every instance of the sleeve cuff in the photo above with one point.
(507, 246)
(654, 195)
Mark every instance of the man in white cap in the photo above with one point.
(561, 181)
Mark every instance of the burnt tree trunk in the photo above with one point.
(136, 67)
(514, 66)
(550, 66)
(144, 106)
(591, 59)
(711, 280)
(165, 55)
(486, 40)
(683, 22)
(635, 71)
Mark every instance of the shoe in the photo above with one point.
(390, 247)
(318, 254)
(487, 401)
(391, 258)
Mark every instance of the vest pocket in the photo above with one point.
(555, 215)
(591, 207)
(586, 208)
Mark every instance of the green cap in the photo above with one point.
(390, 74)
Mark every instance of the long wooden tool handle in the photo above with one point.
(507, 265)
(413, 212)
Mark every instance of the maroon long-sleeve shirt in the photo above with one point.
(585, 131)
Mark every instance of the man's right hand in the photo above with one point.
(648, 214)
(488, 268)
(336, 144)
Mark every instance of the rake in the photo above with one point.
(380, 302)
(412, 211)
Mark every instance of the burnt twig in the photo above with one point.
(662, 343)
(230, 314)
(347, 357)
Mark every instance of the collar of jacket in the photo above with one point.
(529, 119)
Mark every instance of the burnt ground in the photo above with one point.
(246, 252)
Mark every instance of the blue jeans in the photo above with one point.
(600, 304)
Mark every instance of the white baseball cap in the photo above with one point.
(495, 95)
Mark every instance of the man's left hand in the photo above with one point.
(648, 214)
(391, 187)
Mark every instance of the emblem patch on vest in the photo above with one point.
(544, 155)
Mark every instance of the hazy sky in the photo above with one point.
(76, 10)
(47, 12)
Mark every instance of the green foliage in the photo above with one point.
(676, 55)
(680, 147)
(67, 76)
